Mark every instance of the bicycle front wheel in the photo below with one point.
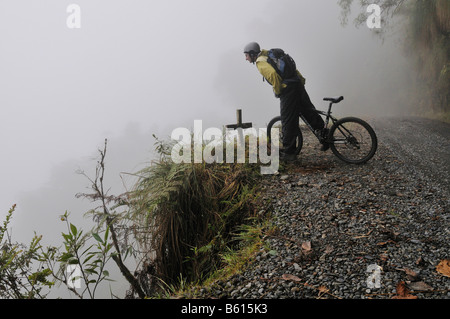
(276, 124)
(353, 140)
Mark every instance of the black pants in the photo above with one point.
(294, 101)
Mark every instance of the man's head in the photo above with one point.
(251, 52)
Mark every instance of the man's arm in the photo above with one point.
(269, 73)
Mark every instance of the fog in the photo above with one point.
(137, 68)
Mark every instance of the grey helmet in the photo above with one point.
(252, 48)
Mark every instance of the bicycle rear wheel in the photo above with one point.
(353, 140)
(276, 124)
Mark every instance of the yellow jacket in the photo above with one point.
(271, 75)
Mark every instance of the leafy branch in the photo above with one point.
(19, 277)
(111, 220)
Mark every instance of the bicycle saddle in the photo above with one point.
(334, 100)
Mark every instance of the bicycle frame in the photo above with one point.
(349, 138)
(328, 117)
(343, 136)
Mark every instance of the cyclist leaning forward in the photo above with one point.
(294, 100)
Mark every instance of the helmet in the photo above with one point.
(252, 48)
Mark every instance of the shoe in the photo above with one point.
(325, 146)
(324, 135)
(288, 157)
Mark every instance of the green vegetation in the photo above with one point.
(29, 272)
(18, 278)
(190, 214)
(183, 224)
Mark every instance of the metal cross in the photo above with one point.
(239, 123)
(239, 126)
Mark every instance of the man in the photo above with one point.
(294, 99)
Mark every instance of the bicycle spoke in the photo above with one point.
(353, 141)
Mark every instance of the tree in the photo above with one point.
(26, 270)
(426, 30)
(389, 8)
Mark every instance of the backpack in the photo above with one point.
(283, 64)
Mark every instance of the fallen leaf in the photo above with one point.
(306, 246)
(322, 290)
(290, 277)
(328, 249)
(444, 267)
(420, 285)
(403, 292)
(383, 243)
(420, 261)
(273, 252)
(411, 274)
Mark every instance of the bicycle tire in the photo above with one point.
(353, 140)
(276, 122)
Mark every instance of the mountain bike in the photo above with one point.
(351, 139)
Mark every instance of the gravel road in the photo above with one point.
(377, 230)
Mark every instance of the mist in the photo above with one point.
(137, 68)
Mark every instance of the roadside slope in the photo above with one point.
(336, 222)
